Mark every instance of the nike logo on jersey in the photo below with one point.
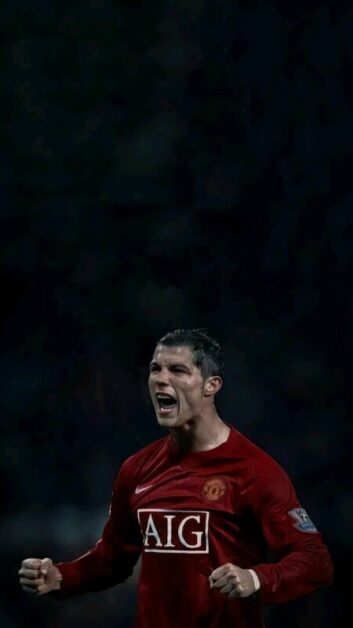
(141, 489)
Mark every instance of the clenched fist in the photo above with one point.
(39, 576)
(232, 581)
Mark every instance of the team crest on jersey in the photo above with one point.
(302, 520)
(214, 489)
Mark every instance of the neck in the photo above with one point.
(201, 434)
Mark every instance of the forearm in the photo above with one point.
(94, 571)
(299, 573)
(113, 558)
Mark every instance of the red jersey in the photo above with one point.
(188, 515)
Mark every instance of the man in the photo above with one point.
(203, 506)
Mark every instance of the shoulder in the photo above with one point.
(134, 465)
(147, 452)
(260, 464)
(266, 487)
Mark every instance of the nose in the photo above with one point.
(162, 377)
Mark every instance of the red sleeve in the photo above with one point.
(304, 563)
(113, 558)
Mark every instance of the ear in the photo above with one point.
(212, 385)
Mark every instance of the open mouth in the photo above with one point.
(165, 402)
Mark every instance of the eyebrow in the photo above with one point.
(173, 364)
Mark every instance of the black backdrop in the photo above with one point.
(170, 164)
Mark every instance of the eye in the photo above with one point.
(154, 368)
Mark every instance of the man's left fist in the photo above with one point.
(232, 581)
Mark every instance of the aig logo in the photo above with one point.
(174, 531)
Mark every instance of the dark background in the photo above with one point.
(168, 164)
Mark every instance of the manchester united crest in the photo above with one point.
(214, 489)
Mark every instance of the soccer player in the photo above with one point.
(204, 506)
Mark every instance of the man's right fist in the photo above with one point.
(39, 576)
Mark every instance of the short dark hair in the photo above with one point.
(205, 349)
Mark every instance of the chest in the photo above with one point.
(178, 509)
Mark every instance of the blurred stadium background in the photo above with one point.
(171, 164)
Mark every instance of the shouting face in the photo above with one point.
(177, 388)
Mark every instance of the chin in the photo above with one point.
(169, 421)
